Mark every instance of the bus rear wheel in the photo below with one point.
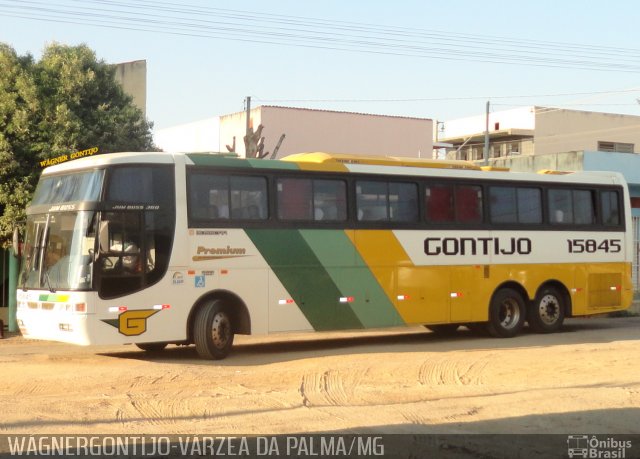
(213, 331)
(546, 313)
(507, 313)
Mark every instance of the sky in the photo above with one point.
(419, 58)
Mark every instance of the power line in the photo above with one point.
(445, 99)
(215, 23)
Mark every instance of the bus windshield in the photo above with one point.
(58, 251)
(79, 186)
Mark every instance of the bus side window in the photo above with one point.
(609, 204)
(248, 197)
(503, 207)
(329, 200)
(584, 207)
(439, 203)
(372, 201)
(468, 204)
(560, 206)
(295, 199)
(403, 202)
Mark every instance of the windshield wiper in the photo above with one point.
(25, 272)
(46, 277)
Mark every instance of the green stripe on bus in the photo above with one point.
(205, 159)
(269, 164)
(305, 278)
(353, 277)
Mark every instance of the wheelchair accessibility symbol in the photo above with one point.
(199, 280)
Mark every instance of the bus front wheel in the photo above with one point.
(546, 313)
(213, 331)
(507, 313)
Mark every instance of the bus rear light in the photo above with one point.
(615, 288)
(81, 307)
(346, 299)
(456, 295)
(161, 306)
(117, 309)
(287, 301)
(403, 297)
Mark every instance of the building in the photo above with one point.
(132, 76)
(540, 131)
(304, 130)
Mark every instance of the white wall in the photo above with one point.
(235, 124)
(517, 118)
(199, 136)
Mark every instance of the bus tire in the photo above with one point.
(152, 347)
(507, 313)
(443, 329)
(546, 312)
(213, 331)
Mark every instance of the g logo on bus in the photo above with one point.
(132, 323)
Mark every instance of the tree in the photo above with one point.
(65, 102)
(18, 108)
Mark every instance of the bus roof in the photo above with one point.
(345, 163)
(327, 158)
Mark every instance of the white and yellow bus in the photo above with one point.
(159, 248)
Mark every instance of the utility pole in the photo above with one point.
(486, 138)
(248, 109)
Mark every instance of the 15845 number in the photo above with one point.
(593, 246)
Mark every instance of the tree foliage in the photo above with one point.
(65, 102)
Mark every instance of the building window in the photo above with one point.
(618, 147)
(477, 152)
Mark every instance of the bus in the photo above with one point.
(154, 249)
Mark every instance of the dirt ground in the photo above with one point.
(584, 380)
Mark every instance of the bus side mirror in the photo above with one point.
(15, 243)
(103, 237)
